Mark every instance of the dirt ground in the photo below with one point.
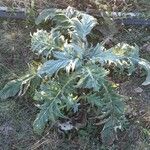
(17, 115)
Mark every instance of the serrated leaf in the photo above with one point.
(95, 100)
(88, 22)
(34, 84)
(49, 112)
(77, 49)
(92, 76)
(60, 55)
(47, 91)
(84, 26)
(118, 107)
(65, 60)
(115, 54)
(125, 50)
(92, 52)
(61, 19)
(45, 15)
(52, 66)
(108, 134)
(10, 89)
(69, 102)
(146, 65)
(122, 55)
(43, 42)
(71, 12)
(58, 39)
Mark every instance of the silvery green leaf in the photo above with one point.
(88, 22)
(77, 49)
(58, 39)
(52, 66)
(71, 12)
(95, 100)
(94, 51)
(122, 55)
(71, 65)
(108, 134)
(125, 50)
(45, 15)
(19, 87)
(49, 112)
(76, 107)
(10, 89)
(146, 65)
(119, 106)
(84, 26)
(92, 76)
(41, 41)
(115, 54)
(100, 54)
(60, 55)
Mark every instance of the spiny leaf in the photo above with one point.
(10, 89)
(125, 50)
(114, 101)
(146, 65)
(49, 112)
(43, 42)
(118, 107)
(45, 15)
(60, 17)
(34, 84)
(69, 101)
(100, 54)
(108, 133)
(20, 86)
(88, 22)
(62, 20)
(52, 66)
(115, 54)
(84, 27)
(85, 64)
(92, 76)
(95, 100)
(65, 60)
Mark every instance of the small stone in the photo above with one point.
(146, 47)
(66, 126)
(138, 90)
